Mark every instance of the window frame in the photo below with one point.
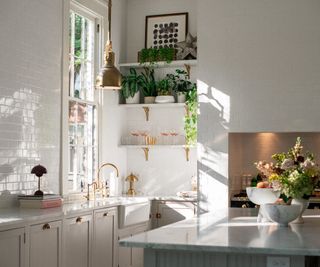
(95, 11)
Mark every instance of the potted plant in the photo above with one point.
(149, 86)
(295, 173)
(191, 117)
(181, 84)
(164, 87)
(152, 55)
(130, 87)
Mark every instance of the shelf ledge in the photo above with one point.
(164, 105)
(161, 64)
(156, 146)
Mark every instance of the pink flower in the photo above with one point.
(308, 164)
(287, 164)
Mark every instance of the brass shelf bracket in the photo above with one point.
(146, 153)
(186, 108)
(187, 150)
(188, 69)
(146, 111)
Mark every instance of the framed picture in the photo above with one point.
(166, 30)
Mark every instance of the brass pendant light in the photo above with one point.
(109, 76)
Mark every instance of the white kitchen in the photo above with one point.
(124, 145)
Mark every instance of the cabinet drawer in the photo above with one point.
(45, 244)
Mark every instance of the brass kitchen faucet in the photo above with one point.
(97, 184)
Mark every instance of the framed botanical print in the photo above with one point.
(165, 30)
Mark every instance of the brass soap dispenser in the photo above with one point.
(131, 179)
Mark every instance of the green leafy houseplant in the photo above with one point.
(149, 84)
(190, 119)
(181, 81)
(152, 55)
(131, 83)
(164, 87)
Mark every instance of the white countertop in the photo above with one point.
(14, 217)
(237, 232)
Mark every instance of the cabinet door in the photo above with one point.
(104, 238)
(45, 245)
(170, 212)
(12, 248)
(132, 257)
(124, 254)
(77, 234)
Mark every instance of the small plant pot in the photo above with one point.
(149, 99)
(134, 100)
(161, 99)
(181, 97)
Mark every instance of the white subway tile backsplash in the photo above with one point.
(30, 93)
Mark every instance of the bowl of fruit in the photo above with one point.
(262, 194)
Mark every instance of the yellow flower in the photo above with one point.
(274, 177)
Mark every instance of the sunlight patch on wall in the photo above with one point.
(216, 98)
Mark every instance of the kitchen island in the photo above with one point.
(233, 239)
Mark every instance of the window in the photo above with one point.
(83, 105)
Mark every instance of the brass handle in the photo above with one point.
(79, 220)
(158, 215)
(46, 226)
(105, 214)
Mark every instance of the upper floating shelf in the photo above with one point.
(162, 64)
(164, 105)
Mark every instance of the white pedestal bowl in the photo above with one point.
(261, 196)
(282, 214)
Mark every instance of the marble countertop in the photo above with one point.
(235, 231)
(14, 217)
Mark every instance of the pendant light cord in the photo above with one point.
(109, 20)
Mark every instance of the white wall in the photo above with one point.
(139, 9)
(30, 91)
(31, 45)
(259, 66)
(112, 116)
(167, 170)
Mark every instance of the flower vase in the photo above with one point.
(304, 203)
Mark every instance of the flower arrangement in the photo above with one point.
(294, 173)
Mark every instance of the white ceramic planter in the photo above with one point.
(181, 97)
(149, 99)
(282, 214)
(304, 203)
(162, 99)
(133, 100)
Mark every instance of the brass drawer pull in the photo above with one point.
(79, 220)
(46, 226)
(105, 214)
(158, 215)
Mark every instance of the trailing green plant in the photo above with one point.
(131, 83)
(191, 118)
(180, 81)
(153, 55)
(164, 87)
(149, 84)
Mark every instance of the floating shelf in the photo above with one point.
(147, 107)
(164, 105)
(162, 64)
(146, 149)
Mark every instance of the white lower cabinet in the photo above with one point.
(77, 240)
(167, 212)
(12, 248)
(131, 257)
(45, 244)
(104, 238)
